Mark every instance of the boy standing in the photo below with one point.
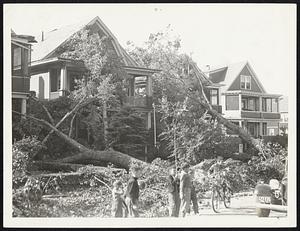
(132, 193)
(173, 191)
(117, 201)
(185, 191)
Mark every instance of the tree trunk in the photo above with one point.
(117, 158)
(203, 101)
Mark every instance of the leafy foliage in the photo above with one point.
(22, 152)
(127, 132)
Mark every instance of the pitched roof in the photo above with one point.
(56, 37)
(230, 72)
(227, 74)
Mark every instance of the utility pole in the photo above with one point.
(154, 124)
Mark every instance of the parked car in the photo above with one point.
(272, 196)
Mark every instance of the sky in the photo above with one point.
(214, 34)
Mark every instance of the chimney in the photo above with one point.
(42, 36)
(207, 69)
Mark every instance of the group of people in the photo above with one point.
(181, 190)
(125, 203)
(180, 187)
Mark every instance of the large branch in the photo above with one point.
(117, 158)
(76, 108)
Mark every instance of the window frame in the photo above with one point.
(214, 93)
(244, 81)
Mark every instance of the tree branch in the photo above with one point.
(45, 109)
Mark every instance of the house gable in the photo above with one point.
(57, 38)
(255, 84)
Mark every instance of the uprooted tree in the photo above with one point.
(181, 81)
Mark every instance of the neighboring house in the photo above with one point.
(20, 62)
(53, 76)
(245, 101)
(211, 89)
(284, 115)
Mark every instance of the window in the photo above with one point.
(264, 129)
(17, 58)
(140, 86)
(271, 132)
(55, 79)
(214, 96)
(232, 102)
(274, 105)
(250, 104)
(245, 82)
(269, 105)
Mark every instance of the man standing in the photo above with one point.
(193, 193)
(185, 191)
(173, 191)
(132, 193)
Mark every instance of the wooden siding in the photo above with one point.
(236, 85)
(20, 84)
(259, 115)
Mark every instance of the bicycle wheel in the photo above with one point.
(215, 201)
(227, 198)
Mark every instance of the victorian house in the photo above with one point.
(244, 100)
(53, 76)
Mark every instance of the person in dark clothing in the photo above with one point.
(193, 193)
(173, 191)
(185, 191)
(132, 193)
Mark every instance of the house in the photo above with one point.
(54, 76)
(20, 62)
(284, 115)
(244, 100)
(211, 90)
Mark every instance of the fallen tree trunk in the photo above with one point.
(203, 101)
(117, 158)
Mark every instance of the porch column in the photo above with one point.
(63, 80)
(149, 86)
(148, 120)
(23, 106)
(240, 102)
(240, 123)
(260, 104)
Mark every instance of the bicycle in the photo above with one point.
(221, 192)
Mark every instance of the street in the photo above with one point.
(239, 206)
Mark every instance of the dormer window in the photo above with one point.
(245, 82)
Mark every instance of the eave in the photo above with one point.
(251, 93)
(43, 65)
(140, 70)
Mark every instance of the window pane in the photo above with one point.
(251, 104)
(214, 97)
(269, 105)
(17, 58)
(232, 102)
(274, 105)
